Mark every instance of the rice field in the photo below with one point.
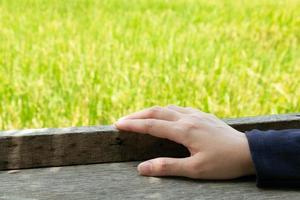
(86, 62)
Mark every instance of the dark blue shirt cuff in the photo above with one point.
(276, 157)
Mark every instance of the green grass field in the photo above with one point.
(72, 63)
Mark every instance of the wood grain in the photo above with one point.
(99, 144)
(121, 181)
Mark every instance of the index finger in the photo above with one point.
(155, 127)
(155, 112)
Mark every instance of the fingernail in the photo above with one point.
(145, 168)
(119, 123)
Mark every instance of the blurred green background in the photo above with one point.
(72, 63)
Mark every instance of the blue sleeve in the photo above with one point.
(276, 157)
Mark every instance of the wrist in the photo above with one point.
(246, 158)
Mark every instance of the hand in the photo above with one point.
(217, 150)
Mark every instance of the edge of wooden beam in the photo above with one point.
(267, 122)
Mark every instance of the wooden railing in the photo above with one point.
(99, 144)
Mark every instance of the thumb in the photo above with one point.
(164, 167)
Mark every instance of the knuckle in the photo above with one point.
(172, 106)
(162, 165)
(195, 117)
(189, 126)
(178, 128)
(149, 125)
(198, 117)
(183, 133)
(193, 110)
(189, 108)
(155, 110)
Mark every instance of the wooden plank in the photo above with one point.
(98, 144)
(121, 181)
(275, 122)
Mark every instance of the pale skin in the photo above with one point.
(217, 151)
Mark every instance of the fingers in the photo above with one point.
(155, 127)
(165, 167)
(159, 122)
(155, 112)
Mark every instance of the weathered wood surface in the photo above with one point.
(121, 181)
(98, 144)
